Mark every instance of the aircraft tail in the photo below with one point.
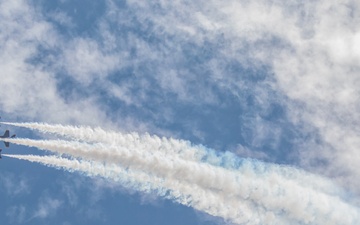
(6, 134)
(0, 153)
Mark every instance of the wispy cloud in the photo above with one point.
(16, 214)
(14, 185)
(311, 50)
(46, 207)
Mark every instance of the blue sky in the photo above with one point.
(267, 80)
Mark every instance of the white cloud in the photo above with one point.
(323, 75)
(62, 18)
(29, 88)
(311, 47)
(47, 207)
(70, 192)
(16, 214)
(14, 185)
(85, 62)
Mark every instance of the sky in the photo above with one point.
(262, 94)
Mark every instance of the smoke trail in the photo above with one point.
(169, 146)
(154, 163)
(298, 202)
(183, 149)
(206, 201)
(180, 148)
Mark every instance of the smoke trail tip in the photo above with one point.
(11, 155)
(8, 123)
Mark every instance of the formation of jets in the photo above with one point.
(6, 135)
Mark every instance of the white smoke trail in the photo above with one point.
(298, 202)
(176, 148)
(179, 148)
(230, 209)
(132, 140)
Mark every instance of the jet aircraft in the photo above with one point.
(0, 153)
(7, 135)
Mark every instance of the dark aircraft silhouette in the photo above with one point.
(0, 153)
(7, 135)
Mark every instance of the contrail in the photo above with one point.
(229, 209)
(298, 202)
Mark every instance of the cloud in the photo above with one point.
(30, 46)
(70, 192)
(325, 84)
(86, 63)
(14, 185)
(16, 214)
(62, 18)
(310, 50)
(47, 207)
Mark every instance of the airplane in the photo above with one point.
(7, 135)
(0, 153)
